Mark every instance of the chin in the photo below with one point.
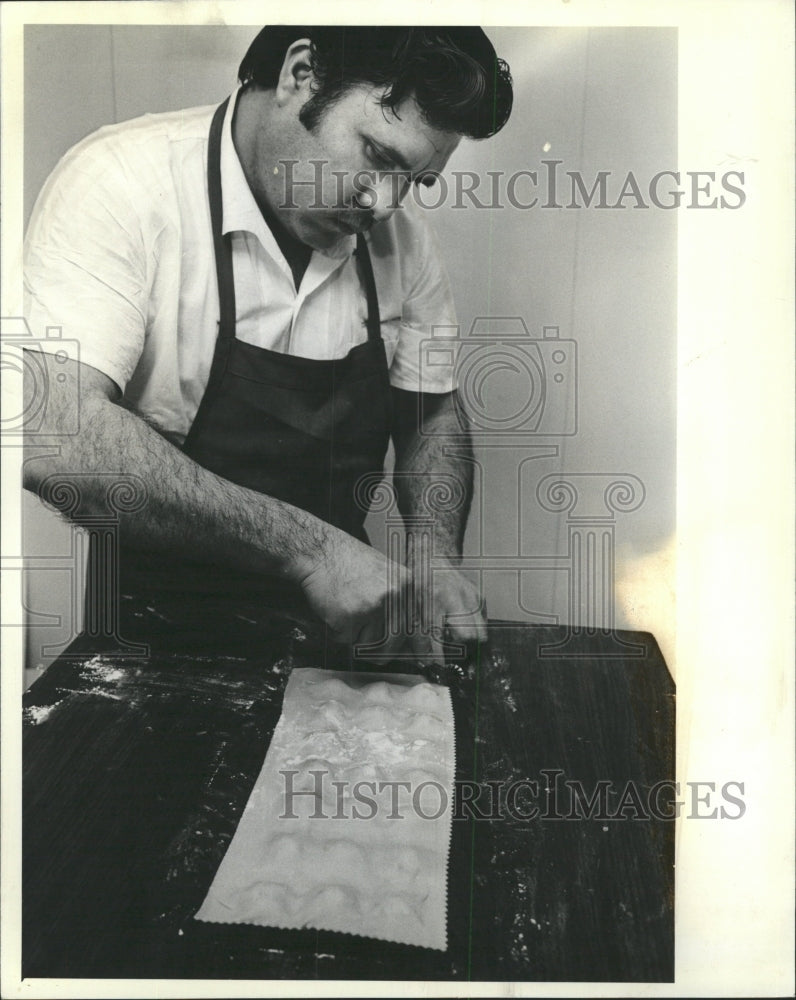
(321, 239)
(321, 242)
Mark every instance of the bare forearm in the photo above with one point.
(434, 481)
(188, 510)
(434, 471)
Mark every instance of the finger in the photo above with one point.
(420, 644)
(375, 643)
(468, 627)
(437, 651)
(428, 649)
(384, 624)
(462, 631)
(399, 612)
(343, 635)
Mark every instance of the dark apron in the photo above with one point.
(301, 430)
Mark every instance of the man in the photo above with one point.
(246, 350)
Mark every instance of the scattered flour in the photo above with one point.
(101, 692)
(504, 684)
(100, 671)
(39, 713)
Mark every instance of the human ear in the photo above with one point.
(296, 72)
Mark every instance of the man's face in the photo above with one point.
(365, 160)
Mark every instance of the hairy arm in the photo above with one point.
(434, 481)
(190, 510)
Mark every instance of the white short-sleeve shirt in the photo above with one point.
(119, 255)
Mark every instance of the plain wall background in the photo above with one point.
(597, 99)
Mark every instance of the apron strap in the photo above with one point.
(224, 274)
(226, 284)
(223, 250)
(374, 320)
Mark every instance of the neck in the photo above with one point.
(253, 135)
(296, 253)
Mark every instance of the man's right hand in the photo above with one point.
(362, 596)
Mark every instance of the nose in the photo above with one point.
(382, 194)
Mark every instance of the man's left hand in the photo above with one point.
(450, 606)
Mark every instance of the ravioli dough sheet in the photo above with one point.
(329, 860)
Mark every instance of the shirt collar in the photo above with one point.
(241, 212)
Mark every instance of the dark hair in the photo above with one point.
(453, 73)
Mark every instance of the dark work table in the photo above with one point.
(137, 769)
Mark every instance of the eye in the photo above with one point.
(426, 180)
(377, 157)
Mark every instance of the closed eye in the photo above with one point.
(378, 158)
(385, 162)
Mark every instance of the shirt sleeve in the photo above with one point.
(85, 267)
(425, 354)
